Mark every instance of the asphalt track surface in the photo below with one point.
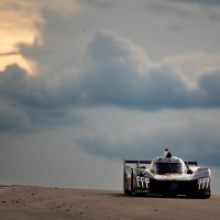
(25, 203)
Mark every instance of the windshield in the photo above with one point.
(162, 168)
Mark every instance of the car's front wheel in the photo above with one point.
(191, 195)
(205, 196)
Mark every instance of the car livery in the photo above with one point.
(168, 176)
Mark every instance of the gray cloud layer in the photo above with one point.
(112, 82)
(118, 76)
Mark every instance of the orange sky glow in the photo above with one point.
(18, 20)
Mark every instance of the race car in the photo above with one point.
(168, 176)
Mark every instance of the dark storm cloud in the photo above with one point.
(35, 102)
(113, 79)
(118, 83)
(10, 122)
(35, 92)
(210, 84)
(204, 2)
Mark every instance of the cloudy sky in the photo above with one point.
(86, 83)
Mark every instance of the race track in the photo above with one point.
(25, 203)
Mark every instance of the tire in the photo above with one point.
(127, 192)
(133, 190)
(203, 196)
(190, 195)
(206, 197)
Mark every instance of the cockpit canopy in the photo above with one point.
(164, 168)
(168, 164)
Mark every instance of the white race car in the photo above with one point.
(166, 175)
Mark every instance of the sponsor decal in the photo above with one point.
(173, 187)
(142, 182)
(143, 191)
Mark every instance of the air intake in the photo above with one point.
(167, 153)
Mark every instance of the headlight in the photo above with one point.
(203, 183)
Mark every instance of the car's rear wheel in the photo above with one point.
(133, 189)
(126, 192)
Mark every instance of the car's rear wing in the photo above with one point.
(195, 163)
(137, 162)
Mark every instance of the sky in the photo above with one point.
(86, 83)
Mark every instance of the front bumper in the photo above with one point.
(175, 187)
